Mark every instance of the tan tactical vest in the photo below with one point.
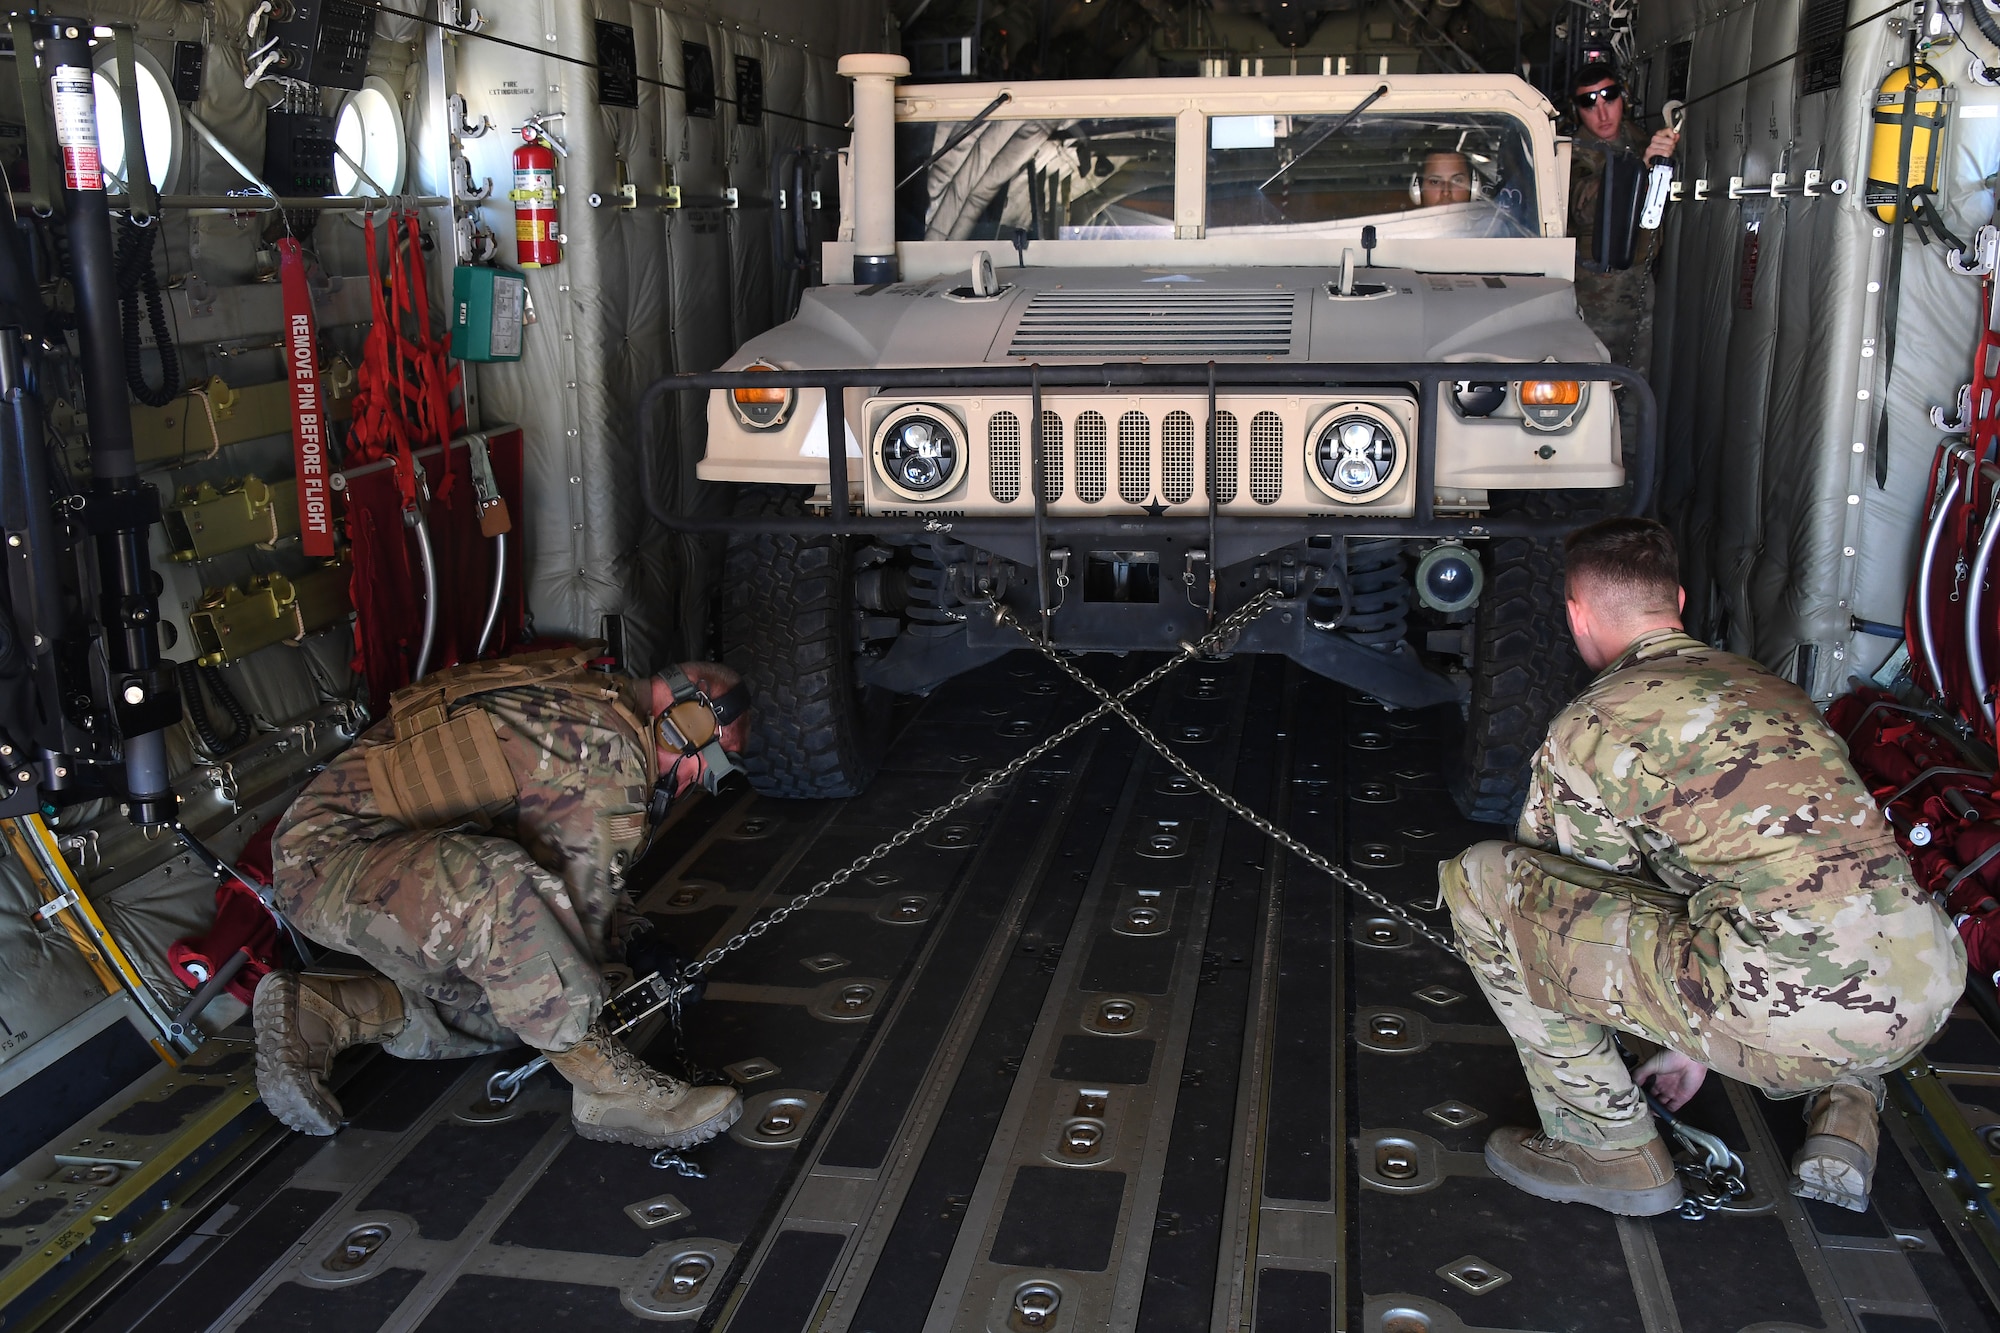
(445, 765)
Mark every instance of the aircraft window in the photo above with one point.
(369, 134)
(1417, 174)
(158, 122)
(1060, 179)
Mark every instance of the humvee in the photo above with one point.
(1119, 354)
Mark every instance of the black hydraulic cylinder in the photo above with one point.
(27, 514)
(120, 509)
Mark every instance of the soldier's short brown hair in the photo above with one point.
(1632, 561)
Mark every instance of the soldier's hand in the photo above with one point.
(1663, 145)
(1672, 1077)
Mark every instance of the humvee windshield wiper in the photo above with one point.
(1325, 134)
(980, 119)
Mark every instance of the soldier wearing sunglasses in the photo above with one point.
(1618, 304)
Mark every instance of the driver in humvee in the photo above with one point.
(1446, 178)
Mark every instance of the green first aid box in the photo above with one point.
(487, 305)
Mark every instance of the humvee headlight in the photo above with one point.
(761, 408)
(1357, 452)
(1549, 404)
(919, 453)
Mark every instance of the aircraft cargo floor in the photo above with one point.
(1090, 1055)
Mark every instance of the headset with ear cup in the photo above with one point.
(1417, 184)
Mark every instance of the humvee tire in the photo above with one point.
(1524, 665)
(788, 628)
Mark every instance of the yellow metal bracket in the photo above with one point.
(235, 621)
(201, 423)
(206, 521)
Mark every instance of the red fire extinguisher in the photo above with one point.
(536, 231)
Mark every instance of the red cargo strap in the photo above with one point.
(379, 429)
(308, 405)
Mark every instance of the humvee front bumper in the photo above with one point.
(1423, 386)
(1123, 576)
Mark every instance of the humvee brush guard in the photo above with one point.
(1122, 354)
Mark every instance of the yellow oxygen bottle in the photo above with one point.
(1898, 122)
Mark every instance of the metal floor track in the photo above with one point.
(1093, 1056)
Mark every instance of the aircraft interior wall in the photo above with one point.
(1798, 510)
(641, 291)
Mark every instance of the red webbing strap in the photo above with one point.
(421, 358)
(378, 429)
(308, 404)
(1983, 430)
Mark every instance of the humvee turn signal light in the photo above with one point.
(1550, 393)
(761, 408)
(1549, 404)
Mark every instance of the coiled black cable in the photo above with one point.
(135, 279)
(1984, 17)
(192, 678)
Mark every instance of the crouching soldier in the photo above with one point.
(1697, 864)
(471, 849)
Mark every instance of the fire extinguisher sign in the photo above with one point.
(76, 128)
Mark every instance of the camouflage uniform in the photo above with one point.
(1618, 305)
(1699, 864)
(491, 934)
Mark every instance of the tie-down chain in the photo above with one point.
(1711, 1184)
(650, 994)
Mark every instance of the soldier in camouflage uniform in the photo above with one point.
(1616, 303)
(471, 849)
(1698, 864)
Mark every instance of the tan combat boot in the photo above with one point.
(1837, 1162)
(303, 1020)
(1632, 1182)
(622, 1099)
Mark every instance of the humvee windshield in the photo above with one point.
(1425, 175)
(1059, 179)
(1410, 174)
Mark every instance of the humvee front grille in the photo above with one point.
(1142, 458)
(1090, 457)
(1003, 456)
(1135, 458)
(1267, 458)
(1177, 458)
(1165, 322)
(1052, 455)
(1225, 457)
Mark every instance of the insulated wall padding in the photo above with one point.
(1711, 239)
(1771, 387)
(44, 981)
(1759, 257)
(749, 166)
(1937, 329)
(639, 293)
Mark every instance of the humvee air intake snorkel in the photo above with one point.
(874, 158)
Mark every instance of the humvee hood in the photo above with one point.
(1053, 315)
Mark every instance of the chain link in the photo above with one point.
(1224, 630)
(1422, 929)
